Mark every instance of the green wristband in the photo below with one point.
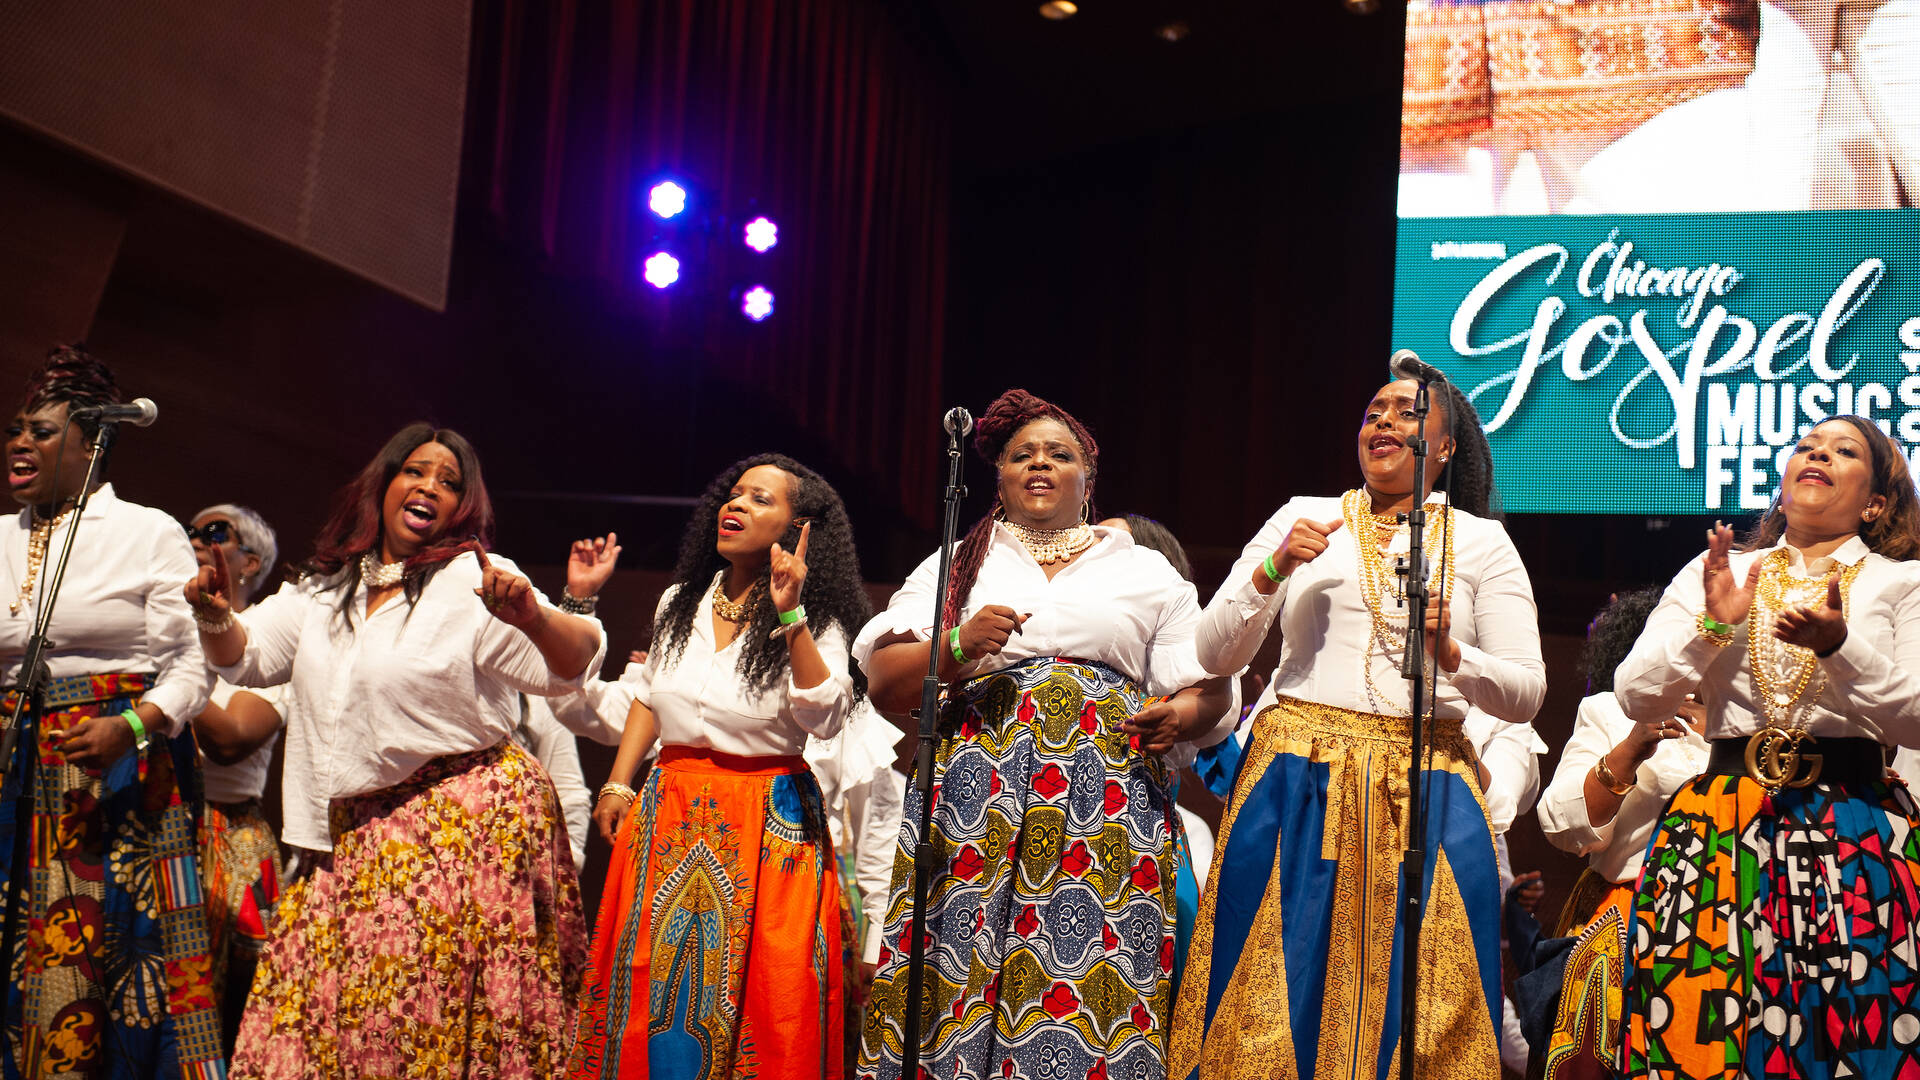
(1714, 626)
(139, 729)
(1273, 572)
(788, 618)
(958, 653)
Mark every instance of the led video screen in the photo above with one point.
(1657, 240)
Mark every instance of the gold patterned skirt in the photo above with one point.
(1295, 962)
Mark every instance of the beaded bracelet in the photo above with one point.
(214, 627)
(1716, 631)
(575, 605)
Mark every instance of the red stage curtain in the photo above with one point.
(830, 116)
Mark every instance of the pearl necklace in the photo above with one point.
(1051, 545)
(38, 540)
(375, 574)
(1769, 658)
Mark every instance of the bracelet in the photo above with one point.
(574, 605)
(788, 628)
(958, 653)
(1273, 572)
(215, 626)
(797, 615)
(1716, 631)
(614, 788)
(140, 739)
(1604, 773)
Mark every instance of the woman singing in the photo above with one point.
(1296, 962)
(717, 949)
(104, 926)
(1050, 925)
(1778, 918)
(443, 934)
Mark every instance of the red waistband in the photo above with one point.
(701, 759)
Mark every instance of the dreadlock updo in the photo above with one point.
(74, 376)
(1009, 412)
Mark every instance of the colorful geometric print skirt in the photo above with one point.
(442, 937)
(1050, 920)
(1778, 935)
(718, 947)
(104, 916)
(240, 861)
(1295, 964)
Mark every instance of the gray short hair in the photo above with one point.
(254, 534)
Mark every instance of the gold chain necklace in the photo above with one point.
(1051, 545)
(728, 609)
(1376, 578)
(39, 538)
(1773, 753)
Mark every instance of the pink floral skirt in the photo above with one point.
(444, 937)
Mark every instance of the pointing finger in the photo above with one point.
(479, 552)
(219, 570)
(800, 549)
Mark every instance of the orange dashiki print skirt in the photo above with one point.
(717, 952)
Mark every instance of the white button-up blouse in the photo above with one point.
(1327, 629)
(1872, 683)
(375, 700)
(1616, 848)
(699, 699)
(123, 607)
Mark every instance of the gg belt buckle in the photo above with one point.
(1774, 757)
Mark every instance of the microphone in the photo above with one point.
(139, 412)
(1406, 364)
(958, 421)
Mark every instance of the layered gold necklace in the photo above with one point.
(1052, 545)
(728, 609)
(1371, 534)
(39, 538)
(1786, 678)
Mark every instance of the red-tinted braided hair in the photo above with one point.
(1003, 419)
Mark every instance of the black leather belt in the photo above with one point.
(1826, 760)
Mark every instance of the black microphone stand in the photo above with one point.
(1414, 666)
(34, 676)
(923, 852)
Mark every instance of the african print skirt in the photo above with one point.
(717, 951)
(1585, 1017)
(442, 937)
(109, 936)
(1050, 920)
(1295, 963)
(1778, 935)
(240, 863)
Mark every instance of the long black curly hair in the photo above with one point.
(1611, 635)
(834, 594)
(1468, 476)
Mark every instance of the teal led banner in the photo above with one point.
(1657, 240)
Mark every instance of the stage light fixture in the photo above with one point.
(662, 270)
(762, 234)
(667, 199)
(1058, 9)
(757, 303)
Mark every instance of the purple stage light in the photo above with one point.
(757, 303)
(662, 270)
(762, 234)
(667, 199)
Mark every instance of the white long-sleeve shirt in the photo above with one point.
(1328, 639)
(1616, 848)
(553, 745)
(699, 699)
(864, 797)
(1872, 682)
(375, 701)
(1511, 754)
(1118, 602)
(122, 608)
(598, 710)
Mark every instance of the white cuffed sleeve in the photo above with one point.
(1238, 617)
(1501, 671)
(173, 640)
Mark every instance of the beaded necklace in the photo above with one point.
(39, 538)
(1773, 753)
(1051, 545)
(1370, 534)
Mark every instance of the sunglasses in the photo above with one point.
(215, 533)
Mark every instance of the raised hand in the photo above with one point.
(508, 596)
(1304, 543)
(1440, 641)
(590, 563)
(787, 574)
(1727, 602)
(989, 630)
(1820, 627)
(210, 592)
